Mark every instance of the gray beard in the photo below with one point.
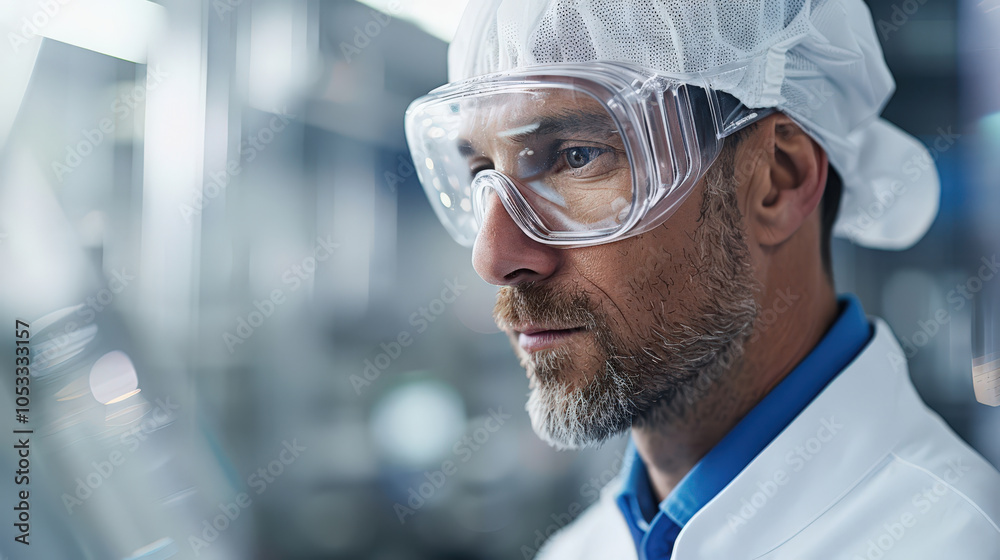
(662, 379)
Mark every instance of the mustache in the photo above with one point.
(545, 305)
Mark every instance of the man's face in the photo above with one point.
(631, 332)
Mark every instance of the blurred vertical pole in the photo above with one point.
(177, 128)
(986, 347)
(980, 80)
(174, 167)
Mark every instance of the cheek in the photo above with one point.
(636, 283)
(645, 278)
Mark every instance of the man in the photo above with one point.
(653, 184)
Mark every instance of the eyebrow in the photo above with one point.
(577, 121)
(598, 124)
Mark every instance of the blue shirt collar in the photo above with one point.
(654, 527)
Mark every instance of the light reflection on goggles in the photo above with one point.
(578, 154)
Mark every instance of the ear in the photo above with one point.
(782, 199)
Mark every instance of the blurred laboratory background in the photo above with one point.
(251, 337)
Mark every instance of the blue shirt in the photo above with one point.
(655, 527)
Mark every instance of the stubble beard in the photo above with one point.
(661, 375)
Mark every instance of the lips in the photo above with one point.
(532, 339)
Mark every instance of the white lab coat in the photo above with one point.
(865, 472)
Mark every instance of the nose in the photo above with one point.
(503, 255)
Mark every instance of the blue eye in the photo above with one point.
(581, 156)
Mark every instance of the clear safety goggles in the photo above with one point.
(578, 153)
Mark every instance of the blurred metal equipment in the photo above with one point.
(986, 347)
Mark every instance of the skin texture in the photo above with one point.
(669, 341)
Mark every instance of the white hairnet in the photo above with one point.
(817, 61)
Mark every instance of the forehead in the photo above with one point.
(515, 117)
(513, 109)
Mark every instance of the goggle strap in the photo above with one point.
(737, 116)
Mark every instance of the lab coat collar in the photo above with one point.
(843, 433)
(842, 342)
